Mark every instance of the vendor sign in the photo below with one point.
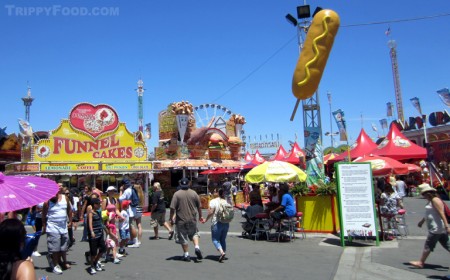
(58, 167)
(92, 133)
(22, 167)
(126, 166)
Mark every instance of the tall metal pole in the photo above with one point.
(331, 122)
(398, 92)
(140, 92)
(27, 101)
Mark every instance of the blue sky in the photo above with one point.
(237, 53)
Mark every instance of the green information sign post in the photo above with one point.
(356, 201)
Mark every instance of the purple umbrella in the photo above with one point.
(18, 192)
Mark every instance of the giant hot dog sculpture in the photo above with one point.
(314, 55)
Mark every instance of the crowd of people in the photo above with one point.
(112, 223)
(109, 226)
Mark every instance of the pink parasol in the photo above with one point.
(18, 192)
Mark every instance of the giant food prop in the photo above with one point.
(314, 54)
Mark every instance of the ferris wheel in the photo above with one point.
(215, 114)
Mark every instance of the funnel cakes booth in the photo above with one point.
(195, 139)
(91, 147)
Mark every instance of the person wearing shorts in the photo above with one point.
(56, 216)
(124, 226)
(125, 193)
(184, 208)
(97, 244)
(159, 211)
(436, 221)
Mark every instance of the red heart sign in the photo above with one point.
(93, 120)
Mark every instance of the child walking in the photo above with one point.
(124, 226)
(95, 236)
(111, 240)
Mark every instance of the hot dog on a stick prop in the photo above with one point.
(314, 54)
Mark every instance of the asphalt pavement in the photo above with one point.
(319, 256)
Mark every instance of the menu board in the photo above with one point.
(356, 201)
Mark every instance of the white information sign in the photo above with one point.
(356, 200)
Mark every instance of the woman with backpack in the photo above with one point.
(219, 229)
(437, 224)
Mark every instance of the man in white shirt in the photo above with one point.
(125, 194)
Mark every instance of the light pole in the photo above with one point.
(332, 134)
(331, 123)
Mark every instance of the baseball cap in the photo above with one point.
(184, 182)
(126, 181)
(111, 188)
(126, 203)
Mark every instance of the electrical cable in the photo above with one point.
(291, 39)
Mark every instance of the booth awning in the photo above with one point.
(196, 164)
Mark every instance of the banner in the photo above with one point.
(416, 103)
(148, 130)
(374, 127)
(182, 123)
(314, 167)
(444, 94)
(27, 133)
(383, 123)
(25, 128)
(340, 121)
(389, 109)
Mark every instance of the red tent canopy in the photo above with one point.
(296, 156)
(257, 160)
(220, 171)
(281, 154)
(248, 157)
(398, 147)
(363, 146)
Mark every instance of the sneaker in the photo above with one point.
(92, 270)
(116, 261)
(187, 258)
(119, 255)
(138, 242)
(98, 267)
(36, 254)
(198, 253)
(171, 235)
(123, 252)
(57, 269)
(133, 246)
